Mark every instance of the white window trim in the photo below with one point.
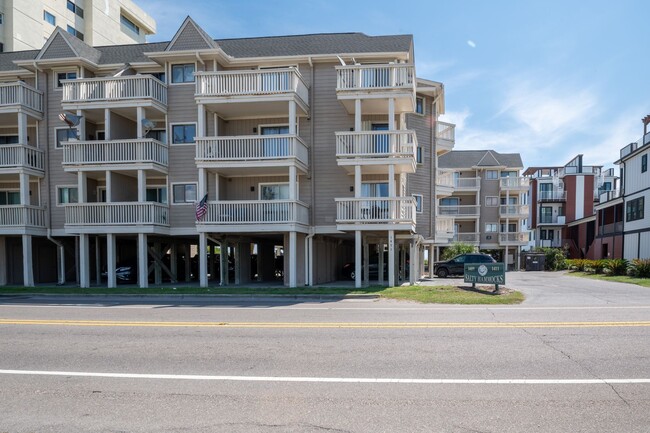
(492, 205)
(170, 81)
(261, 184)
(170, 135)
(56, 129)
(173, 195)
(490, 178)
(58, 187)
(421, 149)
(424, 106)
(492, 223)
(56, 72)
(421, 203)
(273, 125)
(99, 193)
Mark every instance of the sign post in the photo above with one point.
(485, 273)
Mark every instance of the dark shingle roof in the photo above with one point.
(479, 158)
(7, 59)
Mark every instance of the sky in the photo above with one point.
(548, 79)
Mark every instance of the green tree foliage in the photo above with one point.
(457, 248)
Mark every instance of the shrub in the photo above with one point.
(639, 268)
(595, 266)
(555, 258)
(616, 266)
(456, 249)
(576, 265)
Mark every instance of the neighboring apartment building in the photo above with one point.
(486, 201)
(27, 24)
(565, 203)
(313, 151)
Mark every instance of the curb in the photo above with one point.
(187, 296)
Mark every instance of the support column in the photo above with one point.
(235, 254)
(413, 262)
(188, 260)
(22, 128)
(432, 260)
(380, 262)
(203, 259)
(293, 259)
(357, 115)
(84, 261)
(391, 114)
(173, 262)
(142, 186)
(111, 261)
(3, 261)
(82, 187)
(81, 129)
(292, 117)
(212, 265)
(109, 186)
(157, 270)
(366, 263)
(140, 117)
(28, 268)
(98, 262)
(143, 266)
(24, 189)
(107, 124)
(391, 258)
(223, 264)
(293, 183)
(200, 126)
(357, 259)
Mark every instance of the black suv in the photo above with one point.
(457, 264)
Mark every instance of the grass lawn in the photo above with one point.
(618, 278)
(423, 294)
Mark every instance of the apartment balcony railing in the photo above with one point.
(247, 149)
(115, 152)
(15, 216)
(445, 137)
(467, 183)
(460, 211)
(444, 225)
(517, 183)
(585, 169)
(266, 82)
(610, 229)
(375, 210)
(375, 77)
(468, 238)
(551, 196)
(256, 212)
(18, 156)
(445, 179)
(114, 89)
(19, 94)
(377, 144)
(605, 196)
(116, 214)
(553, 219)
(514, 210)
(513, 238)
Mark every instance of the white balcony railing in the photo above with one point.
(514, 210)
(22, 216)
(251, 147)
(18, 155)
(375, 77)
(141, 150)
(514, 183)
(551, 196)
(256, 212)
(444, 225)
(585, 169)
(468, 238)
(132, 87)
(552, 219)
(445, 131)
(250, 83)
(445, 179)
(19, 93)
(467, 183)
(376, 144)
(460, 210)
(117, 213)
(513, 238)
(375, 210)
(604, 196)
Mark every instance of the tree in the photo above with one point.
(457, 248)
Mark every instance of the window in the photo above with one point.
(75, 32)
(184, 193)
(158, 134)
(76, 9)
(510, 200)
(157, 194)
(508, 174)
(274, 191)
(183, 134)
(419, 105)
(634, 209)
(8, 139)
(418, 203)
(64, 134)
(492, 201)
(512, 228)
(160, 75)
(644, 163)
(418, 155)
(491, 174)
(183, 73)
(278, 146)
(379, 189)
(64, 76)
(546, 215)
(491, 227)
(49, 18)
(129, 24)
(67, 194)
(450, 201)
(9, 197)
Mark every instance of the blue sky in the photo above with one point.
(549, 79)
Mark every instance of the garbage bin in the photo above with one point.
(535, 262)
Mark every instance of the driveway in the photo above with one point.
(563, 289)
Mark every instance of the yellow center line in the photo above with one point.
(340, 325)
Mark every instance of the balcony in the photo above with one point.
(273, 153)
(551, 196)
(375, 83)
(514, 183)
(513, 238)
(22, 219)
(255, 216)
(605, 196)
(460, 211)
(375, 213)
(444, 229)
(611, 229)
(114, 92)
(585, 169)
(551, 220)
(445, 137)
(232, 93)
(16, 158)
(375, 150)
(135, 154)
(17, 97)
(117, 217)
(467, 238)
(444, 184)
(467, 184)
(514, 211)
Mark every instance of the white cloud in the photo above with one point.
(471, 43)
(458, 118)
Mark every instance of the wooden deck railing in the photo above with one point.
(251, 147)
(19, 93)
(375, 210)
(371, 77)
(18, 155)
(117, 213)
(376, 144)
(22, 215)
(142, 150)
(114, 89)
(256, 212)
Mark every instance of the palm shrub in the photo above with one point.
(576, 264)
(595, 266)
(616, 266)
(555, 258)
(639, 268)
(456, 249)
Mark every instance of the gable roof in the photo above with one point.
(62, 44)
(479, 158)
(190, 36)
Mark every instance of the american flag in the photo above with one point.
(202, 208)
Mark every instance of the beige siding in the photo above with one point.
(420, 181)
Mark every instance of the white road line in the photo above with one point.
(329, 379)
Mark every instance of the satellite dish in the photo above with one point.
(70, 119)
(341, 60)
(147, 125)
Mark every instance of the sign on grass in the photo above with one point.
(485, 273)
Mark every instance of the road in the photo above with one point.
(272, 365)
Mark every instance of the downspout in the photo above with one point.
(309, 258)
(434, 167)
(311, 143)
